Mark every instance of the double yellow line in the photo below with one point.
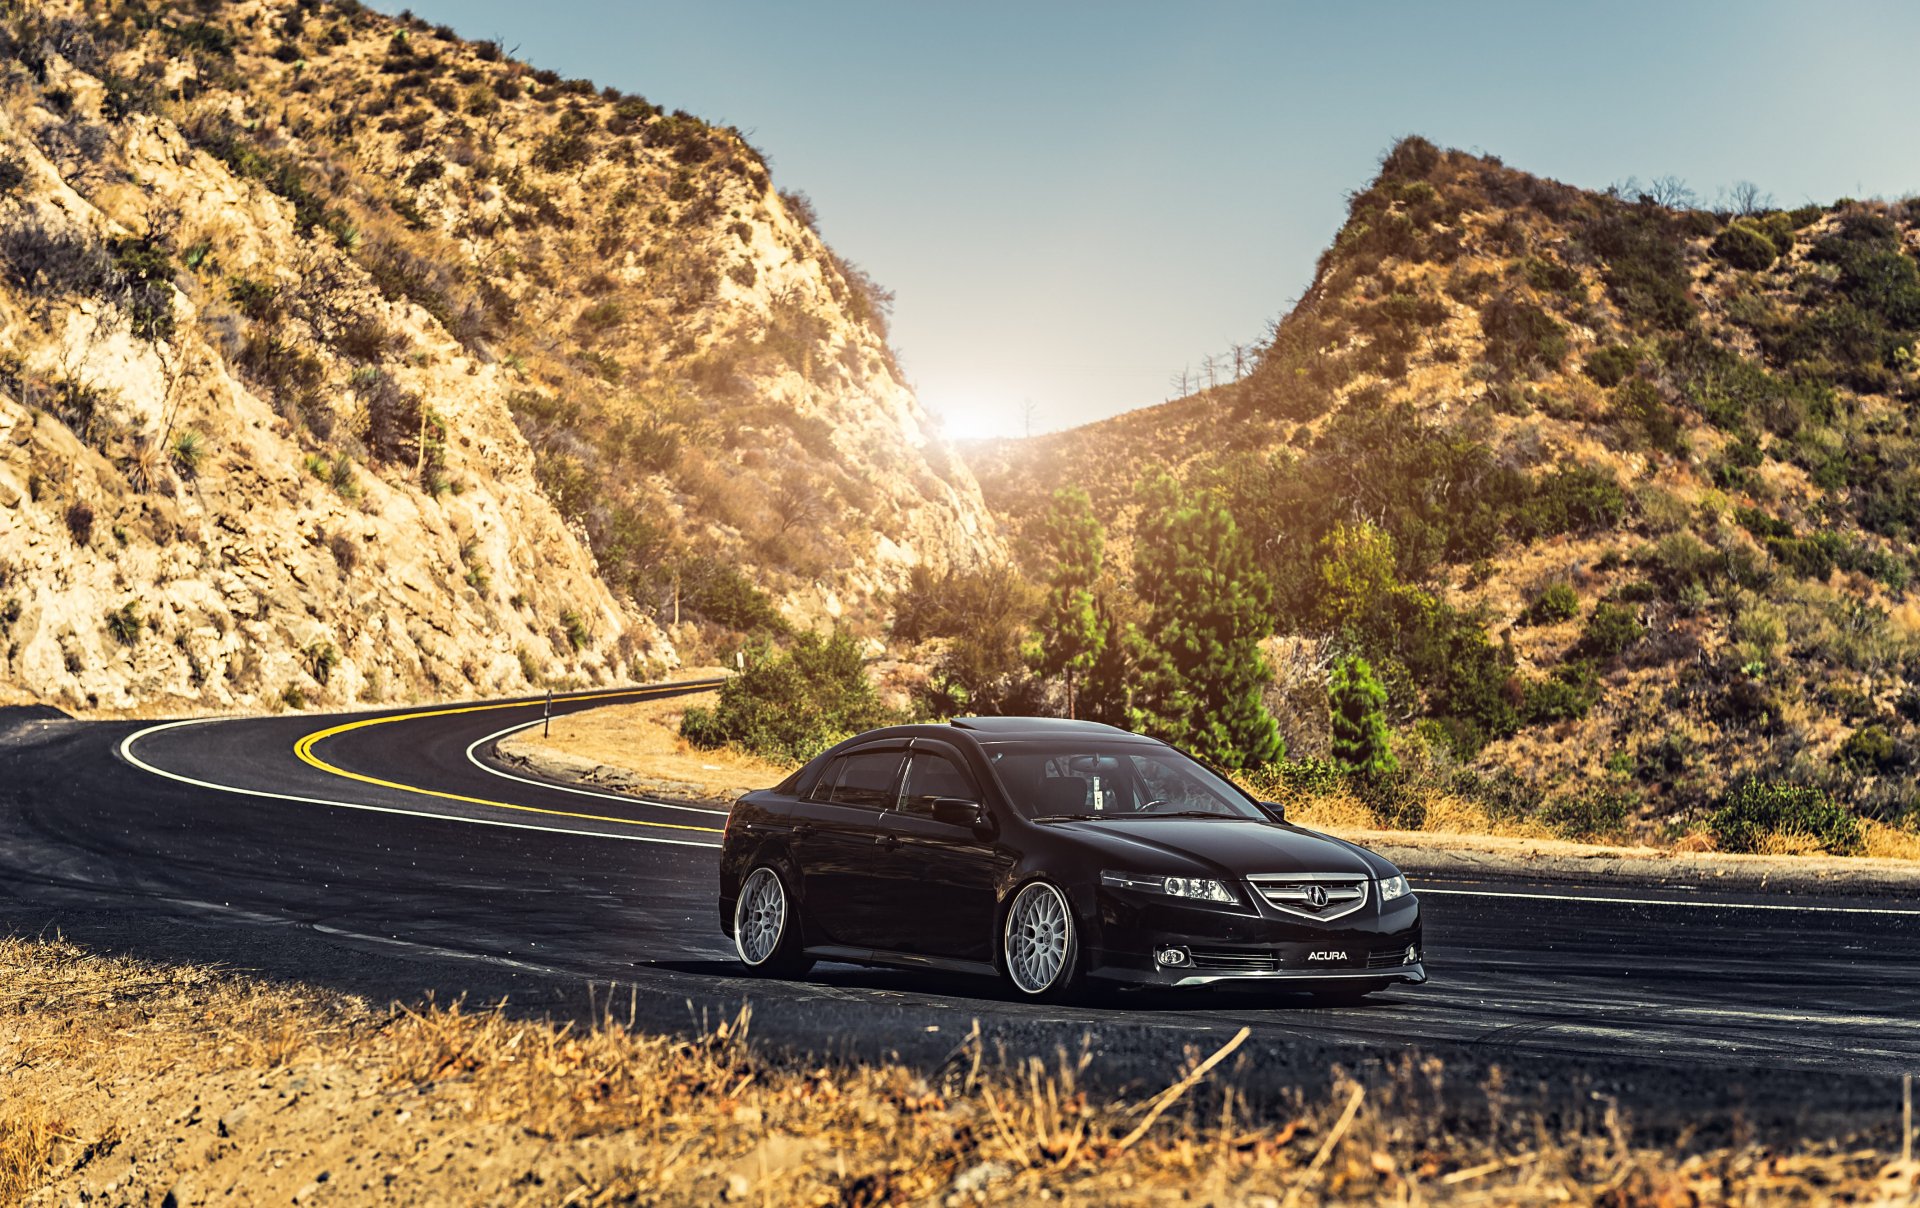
(304, 750)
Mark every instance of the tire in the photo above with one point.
(766, 926)
(1040, 944)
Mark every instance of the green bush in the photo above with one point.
(1568, 694)
(1609, 631)
(1358, 704)
(1612, 365)
(1757, 808)
(1745, 246)
(716, 591)
(791, 706)
(124, 623)
(1558, 602)
(575, 627)
(1599, 813)
(1869, 749)
(1639, 407)
(1522, 336)
(1645, 264)
(189, 448)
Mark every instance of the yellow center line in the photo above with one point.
(304, 750)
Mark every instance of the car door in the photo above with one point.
(942, 877)
(835, 833)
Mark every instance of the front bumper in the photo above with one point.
(1137, 939)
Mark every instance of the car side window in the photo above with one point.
(932, 775)
(867, 779)
(829, 776)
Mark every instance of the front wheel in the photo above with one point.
(766, 928)
(1040, 946)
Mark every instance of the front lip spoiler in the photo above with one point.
(1414, 974)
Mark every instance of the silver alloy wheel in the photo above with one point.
(1038, 929)
(760, 916)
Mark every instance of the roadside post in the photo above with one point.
(546, 715)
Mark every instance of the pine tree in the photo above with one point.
(1202, 675)
(1358, 704)
(1070, 636)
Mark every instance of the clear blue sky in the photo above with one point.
(1073, 201)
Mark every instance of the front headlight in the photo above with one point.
(1196, 889)
(1393, 887)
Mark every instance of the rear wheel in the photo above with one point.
(766, 926)
(1040, 945)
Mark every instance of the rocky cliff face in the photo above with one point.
(343, 360)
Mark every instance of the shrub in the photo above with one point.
(320, 658)
(575, 627)
(13, 174)
(79, 517)
(791, 706)
(1568, 694)
(717, 591)
(1646, 264)
(1612, 365)
(1745, 246)
(1558, 602)
(346, 554)
(124, 623)
(1599, 813)
(1869, 749)
(187, 451)
(1609, 631)
(1639, 406)
(1358, 703)
(1522, 336)
(1758, 808)
(143, 285)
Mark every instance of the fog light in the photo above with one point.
(1172, 958)
(1413, 955)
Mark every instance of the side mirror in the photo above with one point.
(958, 811)
(1274, 810)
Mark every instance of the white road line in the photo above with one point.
(561, 788)
(126, 753)
(1575, 897)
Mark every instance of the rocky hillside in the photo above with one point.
(1620, 497)
(342, 359)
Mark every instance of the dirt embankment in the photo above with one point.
(129, 1082)
(637, 748)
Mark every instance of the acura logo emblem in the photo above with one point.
(1316, 896)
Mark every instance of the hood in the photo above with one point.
(1233, 846)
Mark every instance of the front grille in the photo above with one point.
(1320, 896)
(1230, 960)
(1393, 958)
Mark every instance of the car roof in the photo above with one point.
(1038, 727)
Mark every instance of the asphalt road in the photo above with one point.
(384, 853)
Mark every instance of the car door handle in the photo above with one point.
(802, 829)
(888, 841)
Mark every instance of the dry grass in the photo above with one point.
(201, 1083)
(1891, 842)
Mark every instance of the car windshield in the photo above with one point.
(1119, 780)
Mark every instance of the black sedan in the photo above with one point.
(1050, 852)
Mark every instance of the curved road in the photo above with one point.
(371, 850)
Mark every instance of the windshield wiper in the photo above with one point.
(1071, 817)
(1188, 814)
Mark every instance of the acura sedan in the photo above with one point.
(1050, 853)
